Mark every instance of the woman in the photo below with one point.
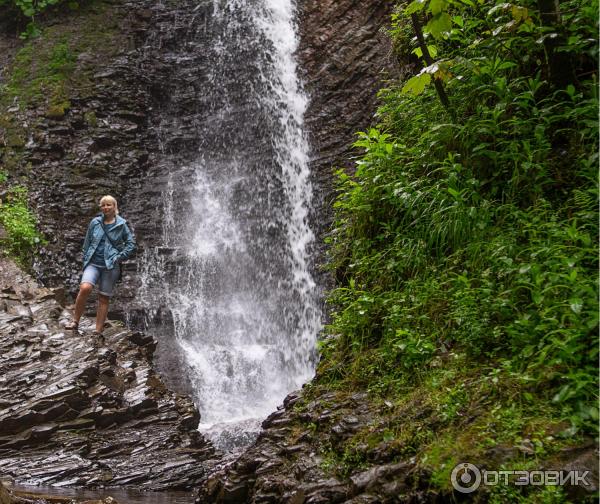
(108, 242)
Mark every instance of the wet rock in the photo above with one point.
(374, 477)
(286, 464)
(345, 57)
(325, 491)
(233, 492)
(584, 460)
(68, 414)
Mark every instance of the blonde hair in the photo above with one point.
(112, 200)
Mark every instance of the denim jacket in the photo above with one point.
(121, 236)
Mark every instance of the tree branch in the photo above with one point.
(439, 87)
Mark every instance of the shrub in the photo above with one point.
(470, 222)
(19, 223)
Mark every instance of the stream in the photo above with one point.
(122, 496)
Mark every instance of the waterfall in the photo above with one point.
(235, 205)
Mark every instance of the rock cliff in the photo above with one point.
(79, 133)
(79, 412)
(104, 137)
(345, 57)
(102, 404)
(287, 463)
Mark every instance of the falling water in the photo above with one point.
(236, 239)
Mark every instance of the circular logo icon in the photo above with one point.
(466, 477)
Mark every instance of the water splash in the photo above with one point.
(236, 239)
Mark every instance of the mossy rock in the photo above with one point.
(15, 139)
(58, 110)
(91, 119)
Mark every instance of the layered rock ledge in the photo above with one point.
(296, 458)
(287, 462)
(77, 412)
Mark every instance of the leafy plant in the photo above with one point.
(30, 9)
(468, 230)
(19, 224)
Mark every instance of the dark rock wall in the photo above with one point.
(98, 146)
(107, 142)
(344, 58)
(287, 463)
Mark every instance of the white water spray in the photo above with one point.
(244, 304)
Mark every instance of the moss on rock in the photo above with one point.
(58, 110)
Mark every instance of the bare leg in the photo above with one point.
(102, 311)
(84, 292)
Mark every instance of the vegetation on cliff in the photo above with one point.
(38, 85)
(465, 243)
(37, 77)
(19, 225)
(26, 13)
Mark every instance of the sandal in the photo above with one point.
(72, 326)
(98, 336)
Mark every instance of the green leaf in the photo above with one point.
(437, 6)
(519, 13)
(431, 48)
(416, 85)
(576, 305)
(496, 8)
(415, 6)
(506, 65)
(439, 24)
(562, 394)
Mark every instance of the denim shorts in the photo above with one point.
(104, 278)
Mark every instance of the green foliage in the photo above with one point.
(40, 72)
(19, 223)
(473, 235)
(30, 10)
(32, 7)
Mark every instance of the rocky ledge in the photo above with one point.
(77, 412)
(287, 462)
(327, 447)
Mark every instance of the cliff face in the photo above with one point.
(74, 126)
(345, 57)
(102, 137)
(99, 134)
